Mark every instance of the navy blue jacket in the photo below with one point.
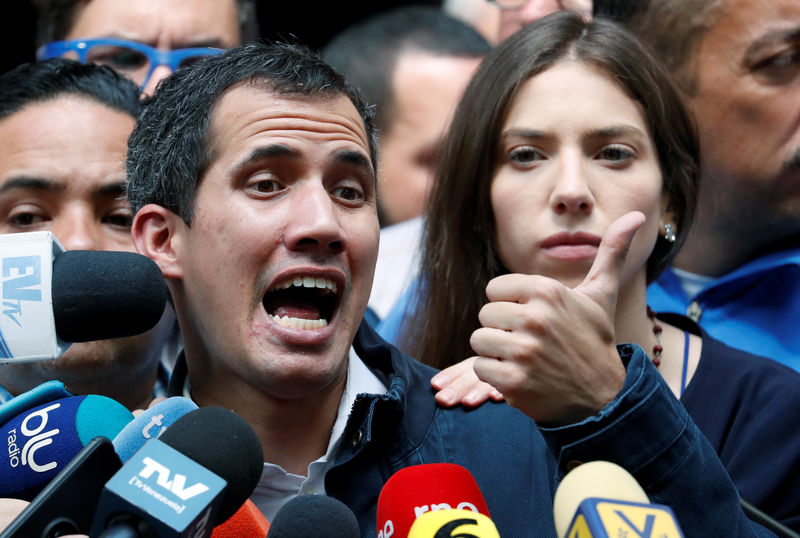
(518, 464)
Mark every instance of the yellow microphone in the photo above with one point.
(600, 499)
(453, 523)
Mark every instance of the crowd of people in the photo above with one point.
(570, 237)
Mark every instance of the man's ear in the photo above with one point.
(157, 234)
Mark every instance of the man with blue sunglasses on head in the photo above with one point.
(144, 40)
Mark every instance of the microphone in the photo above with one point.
(446, 523)
(67, 503)
(46, 392)
(247, 522)
(314, 515)
(601, 499)
(43, 439)
(53, 297)
(197, 473)
(150, 424)
(416, 490)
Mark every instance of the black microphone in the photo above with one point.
(52, 297)
(306, 516)
(67, 503)
(194, 476)
(101, 294)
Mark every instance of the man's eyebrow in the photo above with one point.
(211, 42)
(770, 39)
(266, 152)
(214, 43)
(116, 189)
(27, 182)
(356, 158)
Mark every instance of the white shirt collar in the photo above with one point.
(277, 486)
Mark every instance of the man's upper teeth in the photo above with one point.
(309, 282)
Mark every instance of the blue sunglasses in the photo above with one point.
(135, 60)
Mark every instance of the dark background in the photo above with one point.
(309, 22)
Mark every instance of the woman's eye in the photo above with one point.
(524, 155)
(615, 154)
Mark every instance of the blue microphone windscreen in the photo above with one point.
(314, 515)
(46, 392)
(43, 439)
(104, 294)
(150, 424)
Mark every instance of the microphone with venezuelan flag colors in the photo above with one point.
(600, 499)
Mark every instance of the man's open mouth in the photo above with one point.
(303, 302)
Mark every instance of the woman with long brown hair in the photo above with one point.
(569, 138)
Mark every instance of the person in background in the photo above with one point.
(64, 128)
(412, 63)
(144, 40)
(514, 14)
(479, 14)
(737, 63)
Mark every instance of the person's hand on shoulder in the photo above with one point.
(459, 384)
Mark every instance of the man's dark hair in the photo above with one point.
(366, 53)
(56, 18)
(41, 81)
(672, 29)
(170, 148)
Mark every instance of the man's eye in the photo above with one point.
(25, 219)
(266, 186)
(780, 67)
(119, 58)
(350, 194)
(120, 220)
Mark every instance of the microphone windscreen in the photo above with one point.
(314, 515)
(453, 523)
(43, 439)
(225, 444)
(46, 392)
(247, 522)
(415, 490)
(105, 294)
(150, 424)
(600, 479)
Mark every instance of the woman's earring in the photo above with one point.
(669, 233)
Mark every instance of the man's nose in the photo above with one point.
(315, 221)
(159, 73)
(78, 231)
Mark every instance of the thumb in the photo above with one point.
(602, 282)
